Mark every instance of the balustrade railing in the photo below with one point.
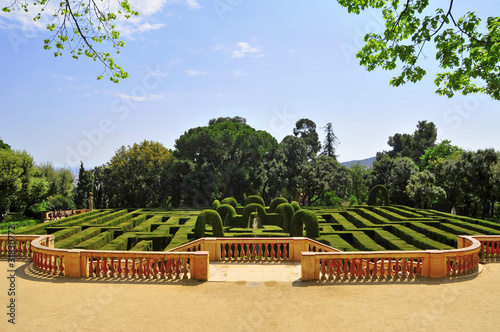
(395, 264)
(18, 246)
(490, 247)
(141, 264)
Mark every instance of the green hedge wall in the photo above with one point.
(305, 218)
(143, 246)
(251, 208)
(286, 211)
(363, 242)
(213, 218)
(434, 233)
(372, 195)
(75, 239)
(296, 206)
(227, 213)
(215, 204)
(96, 242)
(417, 239)
(255, 199)
(275, 202)
(231, 201)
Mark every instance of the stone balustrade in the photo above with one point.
(191, 261)
(395, 264)
(255, 249)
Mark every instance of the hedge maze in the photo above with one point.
(354, 228)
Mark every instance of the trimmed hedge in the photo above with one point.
(372, 195)
(305, 218)
(143, 245)
(417, 239)
(372, 216)
(231, 201)
(275, 202)
(358, 220)
(66, 232)
(255, 199)
(77, 238)
(213, 218)
(251, 208)
(475, 228)
(286, 211)
(363, 242)
(388, 214)
(346, 225)
(457, 230)
(391, 241)
(435, 233)
(146, 225)
(296, 206)
(338, 242)
(120, 243)
(215, 204)
(227, 213)
(97, 242)
(402, 212)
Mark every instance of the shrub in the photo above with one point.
(275, 202)
(227, 213)
(249, 209)
(307, 218)
(286, 211)
(231, 201)
(372, 195)
(255, 199)
(296, 206)
(215, 204)
(213, 218)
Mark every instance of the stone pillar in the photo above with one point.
(72, 264)
(308, 271)
(211, 247)
(298, 246)
(200, 268)
(436, 266)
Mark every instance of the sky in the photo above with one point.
(271, 62)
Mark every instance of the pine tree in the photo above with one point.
(83, 188)
(330, 143)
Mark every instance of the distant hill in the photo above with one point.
(368, 162)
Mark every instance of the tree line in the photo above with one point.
(229, 158)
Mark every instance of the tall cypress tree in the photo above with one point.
(83, 188)
(330, 142)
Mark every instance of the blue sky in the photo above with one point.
(272, 62)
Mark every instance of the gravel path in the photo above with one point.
(67, 304)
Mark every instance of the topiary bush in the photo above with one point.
(275, 202)
(286, 211)
(227, 214)
(215, 204)
(231, 201)
(296, 206)
(249, 209)
(372, 195)
(255, 199)
(213, 218)
(307, 218)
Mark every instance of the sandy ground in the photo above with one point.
(67, 304)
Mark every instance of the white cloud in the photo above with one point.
(138, 98)
(245, 49)
(193, 72)
(147, 8)
(239, 73)
(192, 4)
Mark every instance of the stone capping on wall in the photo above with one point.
(318, 260)
(370, 264)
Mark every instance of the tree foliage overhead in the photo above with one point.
(306, 130)
(82, 28)
(467, 50)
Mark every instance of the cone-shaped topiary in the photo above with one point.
(275, 202)
(307, 218)
(231, 201)
(215, 204)
(372, 195)
(249, 209)
(296, 206)
(286, 212)
(213, 218)
(227, 213)
(255, 199)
